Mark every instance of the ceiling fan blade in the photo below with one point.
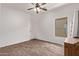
(43, 3)
(33, 4)
(30, 8)
(44, 9)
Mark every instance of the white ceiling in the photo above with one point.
(25, 6)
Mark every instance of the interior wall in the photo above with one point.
(43, 25)
(17, 26)
(14, 26)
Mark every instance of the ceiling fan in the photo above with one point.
(37, 7)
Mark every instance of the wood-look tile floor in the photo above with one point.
(33, 48)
